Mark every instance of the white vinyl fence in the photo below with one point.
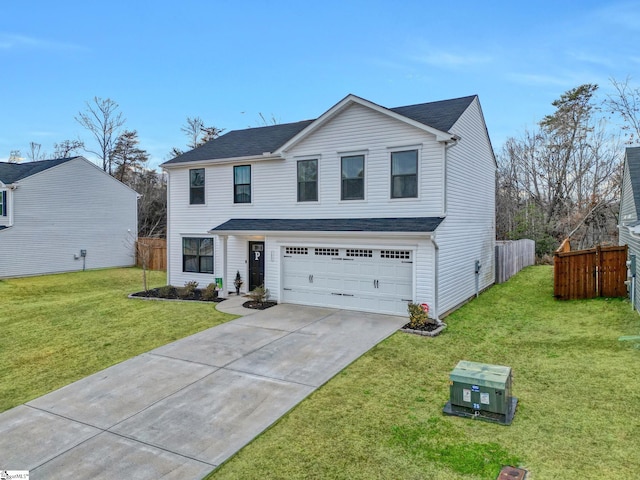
(512, 256)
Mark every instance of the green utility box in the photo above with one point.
(481, 391)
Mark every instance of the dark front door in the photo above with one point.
(256, 264)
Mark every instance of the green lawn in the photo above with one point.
(381, 417)
(59, 328)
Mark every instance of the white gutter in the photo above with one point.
(223, 161)
(323, 233)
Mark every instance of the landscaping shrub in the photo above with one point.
(419, 316)
(189, 290)
(167, 291)
(210, 292)
(259, 294)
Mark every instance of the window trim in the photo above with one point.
(192, 188)
(364, 176)
(235, 201)
(199, 256)
(392, 176)
(3, 203)
(317, 182)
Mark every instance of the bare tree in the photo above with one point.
(65, 148)
(198, 133)
(560, 179)
(15, 156)
(34, 154)
(626, 103)
(103, 120)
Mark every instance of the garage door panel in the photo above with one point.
(350, 278)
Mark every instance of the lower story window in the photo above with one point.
(197, 255)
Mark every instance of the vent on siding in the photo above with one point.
(355, 252)
(296, 250)
(400, 254)
(333, 252)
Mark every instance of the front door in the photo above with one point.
(256, 264)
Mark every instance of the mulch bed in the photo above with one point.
(258, 305)
(197, 296)
(428, 330)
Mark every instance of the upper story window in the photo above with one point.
(352, 175)
(308, 180)
(3, 203)
(196, 186)
(404, 174)
(242, 184)
(197, 255)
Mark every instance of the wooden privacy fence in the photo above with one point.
(512, 256)
(596, 272)
(154, 251)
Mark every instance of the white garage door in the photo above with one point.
(352, 278)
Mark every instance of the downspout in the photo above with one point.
(436, 262)
(447, 145)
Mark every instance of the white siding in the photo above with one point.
(627, 215)
(466, 235)
(62, 210)
(468, 232)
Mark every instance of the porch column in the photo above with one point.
(224, 293)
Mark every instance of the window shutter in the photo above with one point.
(5, 207)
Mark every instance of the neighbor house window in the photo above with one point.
(197, 255)
(308, 180)
(352, 174)
(242, 184)
(404, 174)
(196, 186)
(3, 204)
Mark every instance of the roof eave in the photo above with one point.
(324, 233)
(220, 161)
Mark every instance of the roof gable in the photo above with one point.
(632, 158)
(13, 172)
(434, 117)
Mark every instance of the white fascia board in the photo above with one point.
(353, 99)
(355, 234)
(223, 161)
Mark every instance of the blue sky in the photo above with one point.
(229, 61)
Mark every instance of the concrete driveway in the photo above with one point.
(180, 410)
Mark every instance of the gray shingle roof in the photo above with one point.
(633, 161)
(414, 224)
(243, 143)
(440, 115)
(12, 172)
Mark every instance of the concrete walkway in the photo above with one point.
(180, 410)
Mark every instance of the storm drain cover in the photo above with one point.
(512, 473)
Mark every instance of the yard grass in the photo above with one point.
(59, 328)
(382, 418)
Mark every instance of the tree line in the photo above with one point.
(119, 152)
(562, 178)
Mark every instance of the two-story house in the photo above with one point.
(63, 215)
(364, 208)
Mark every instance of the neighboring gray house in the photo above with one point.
(629, 221)
(63, 215)
(364, 208)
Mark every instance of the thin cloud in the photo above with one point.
(533, 79)
(448, 59)
(9, 41)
